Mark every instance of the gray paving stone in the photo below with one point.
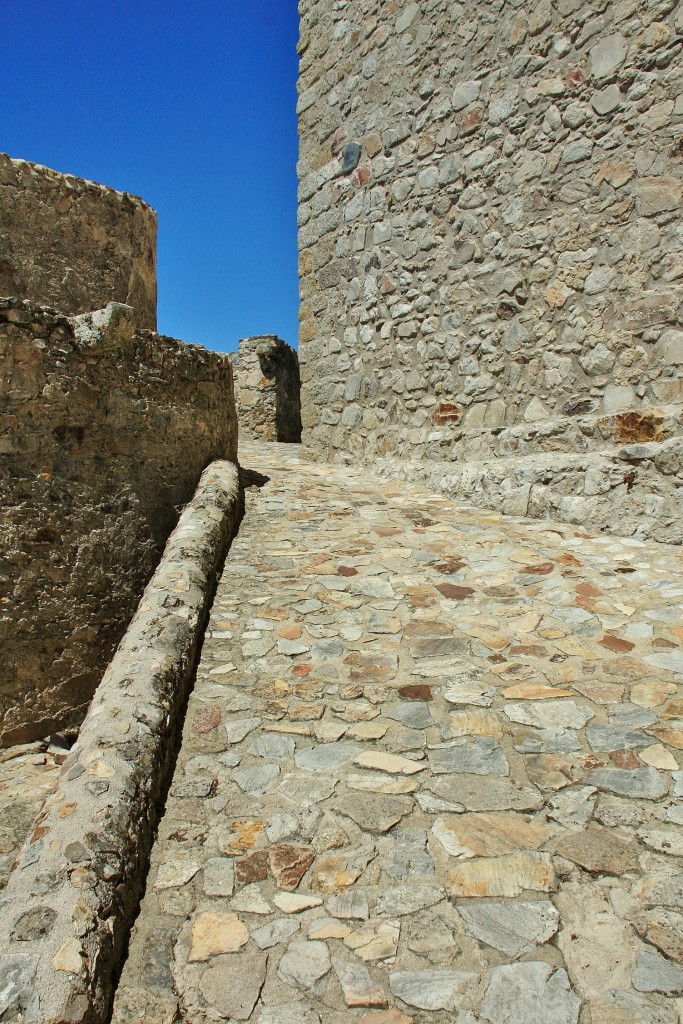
(532, 991)
(572, 807)
(304, 964)
(295, 1014)
(374, 811)
(617, 1005)
(18, 996)
(413, 714)
(272, 745)
(302, 790)
(431, 989)
(643, 783)
(274, 932)
(605, 737)
(241, 727)
(232, 984)
(549, 714)
(655, 974)
(398, 900)
(479, 756)
(547, 741)
(219, 876)
(326, 757)
(349, 905)
(513, 928)
(408, 856)
(469, 688)
(255, 781)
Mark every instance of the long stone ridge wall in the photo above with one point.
(491, 250)
(69, 906)
(104, 432)
(73, 244)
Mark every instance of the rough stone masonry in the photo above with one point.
(268, 389)
(74, 244)
(490, 251)
(105, 428)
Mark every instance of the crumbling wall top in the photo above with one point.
(73, 244)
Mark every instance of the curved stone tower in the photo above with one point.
(75, 245)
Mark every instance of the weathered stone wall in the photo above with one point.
(104, 432)
(68, 909)
(491, 250)
(268, 389)
(75, 245)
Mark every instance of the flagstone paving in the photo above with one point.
(431, 771)
(29, 773)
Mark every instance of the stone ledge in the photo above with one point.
(571, 434)
(70, 903)
(610, 491)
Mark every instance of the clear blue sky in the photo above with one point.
(189, 104)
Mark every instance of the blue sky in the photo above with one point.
(192, 107)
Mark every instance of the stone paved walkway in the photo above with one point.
(429, 772)
(29, 773)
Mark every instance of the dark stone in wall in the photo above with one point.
(105, 430)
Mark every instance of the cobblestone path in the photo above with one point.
(29, 773)
(429, 772)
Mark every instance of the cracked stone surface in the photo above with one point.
(411, 760)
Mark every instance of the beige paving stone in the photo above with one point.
(488, 835)
(533, 691)
(367, 731)
(358, 987)
(658, 756)
(374, 941)
(671, 736)
(599, 850)
(509, 875)
(328, 928)
(474, 723)
(213, 934)
(295, 903)
(380, 784)
(69, 957)
(652, 693)
(598, 945)
(386, 1017)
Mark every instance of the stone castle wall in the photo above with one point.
(267, 389)
(75, 245)
(104, 432)
(491, 252)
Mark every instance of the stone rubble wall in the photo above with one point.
(104, 432)
(70, 902)
(268, 389)
(73, 244)
(491, 251)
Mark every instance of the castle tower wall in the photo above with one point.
(75, 245)
(491, 250)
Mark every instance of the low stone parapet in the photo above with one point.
(104, 432)
(70, 902)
